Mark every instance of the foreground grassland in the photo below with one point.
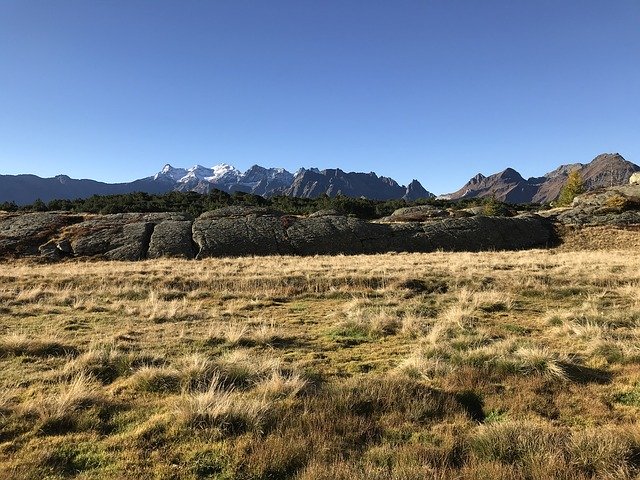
(446, 365)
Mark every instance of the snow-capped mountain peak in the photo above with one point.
(170, 173)
(222, 172)
(197, 173)
(263, 181)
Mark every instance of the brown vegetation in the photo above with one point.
(514, 365)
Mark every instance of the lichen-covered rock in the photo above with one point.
(23, 234)
(172, 238)
(335, 234)
(619, 205)
(254, 232)
(419, 213)
(329, 235)
(121, 236)
(50, 251)
(488, 233)
(251, 231)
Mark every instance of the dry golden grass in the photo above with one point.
(514, 365)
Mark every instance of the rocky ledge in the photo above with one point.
(238, 231)
(617, 206)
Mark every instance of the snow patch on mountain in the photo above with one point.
(223, 173)
(170, 173)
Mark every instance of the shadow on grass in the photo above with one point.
(472, 404)
(583, 375)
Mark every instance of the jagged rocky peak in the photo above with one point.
(605, 170)
(608, 157)
(415, 190)
(257, 173)
(170, 173)
(510, 174)
(477, 179)
(197, 172)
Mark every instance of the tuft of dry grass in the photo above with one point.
(59, 413)
(281, 384)
(16, 344)
(156, 380)
(541, 361)
(220, 408)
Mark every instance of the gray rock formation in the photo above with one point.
(420, 213)
(23, 234)
(172, 238)
(612, 206)
(238, 231)
(256, 233)
(248, 232)
(121, 236)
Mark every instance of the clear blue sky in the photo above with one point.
(433, 90)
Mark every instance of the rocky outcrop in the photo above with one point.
(420, 213)
(172, 238)
(616, 206)
(261, 233)
(23, 234)
(238, 231)
(235, 231)
(122, 236)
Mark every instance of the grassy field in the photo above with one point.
(401, 366)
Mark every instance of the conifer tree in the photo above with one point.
(573, 187)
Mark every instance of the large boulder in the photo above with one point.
(418, 213)
(335, 234)
(256, 231)
(619, 205)
(241, 231)
(172, 238)
(487, 233)
(269, 233)
(23, 234)
(120, 236)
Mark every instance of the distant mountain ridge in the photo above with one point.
(267, 182)
(509, 186)
(605, 170)
(26, 189)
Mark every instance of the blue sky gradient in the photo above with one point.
(433, 90)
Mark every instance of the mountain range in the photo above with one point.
(508, 185)
(605, 170)
(267, 182)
